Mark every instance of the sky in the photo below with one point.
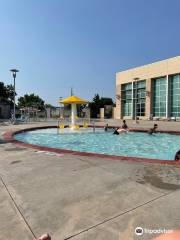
(59, 44)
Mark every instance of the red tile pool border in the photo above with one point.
(9, 137)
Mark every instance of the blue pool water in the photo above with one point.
(134, 144)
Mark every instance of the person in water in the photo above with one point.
(177, 156)
(154, 129)
(124, 126)
(116, 131)
(106, 127)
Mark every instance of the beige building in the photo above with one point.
(149, 91)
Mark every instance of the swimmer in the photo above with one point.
(116, 131)
(177, 156)
(154, 129)
(106, 127)
(122, 130)
(124, 126)
(119, 131)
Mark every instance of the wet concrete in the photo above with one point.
(157, 182)
(158, 176)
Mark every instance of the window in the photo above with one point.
(159, 99)
(140, 98)
(174, 92)
(126, 94)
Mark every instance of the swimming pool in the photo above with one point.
(161, 146)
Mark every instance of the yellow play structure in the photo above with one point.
(85, 124)
(74, 100)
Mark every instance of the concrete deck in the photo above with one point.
(76, 197)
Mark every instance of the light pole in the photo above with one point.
(14, 71)
(135, 80)
(61, 107)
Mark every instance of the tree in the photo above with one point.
(98, 103)
(3, 93)
(31, 100)
(106, 101)
(6, 93)
(96, 99)
(10, 93)
(95, 106)
(47, 105)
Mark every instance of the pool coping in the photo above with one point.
(9, 137)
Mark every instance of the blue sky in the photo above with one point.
(58, 44)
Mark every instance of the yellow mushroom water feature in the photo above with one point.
(73, 100)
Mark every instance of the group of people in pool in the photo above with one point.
(117, 131)
(125, 129)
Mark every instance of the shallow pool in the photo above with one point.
(132, 144)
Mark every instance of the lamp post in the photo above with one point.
(135, 80)
(14, 71)
(61, 108)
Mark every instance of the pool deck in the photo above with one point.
(84, 198)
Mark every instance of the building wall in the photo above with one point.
(5, 111)
(148, 72)
(118, 102)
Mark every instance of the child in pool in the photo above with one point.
(177, 156)
(154, 129)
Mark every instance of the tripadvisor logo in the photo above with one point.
(139, 231)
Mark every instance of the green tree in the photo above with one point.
(98, 103)
(95, 106)
(6, 93)
(47, 105)
(31, 100)
(3, 93)
(96, 99)
(105, 101)
(10, 93)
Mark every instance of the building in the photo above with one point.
(148, 91)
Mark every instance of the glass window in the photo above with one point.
(174, 86)
(140, 97)
(127, 108)
(126, 94)
(159, 99)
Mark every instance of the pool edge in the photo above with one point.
(9, 137)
